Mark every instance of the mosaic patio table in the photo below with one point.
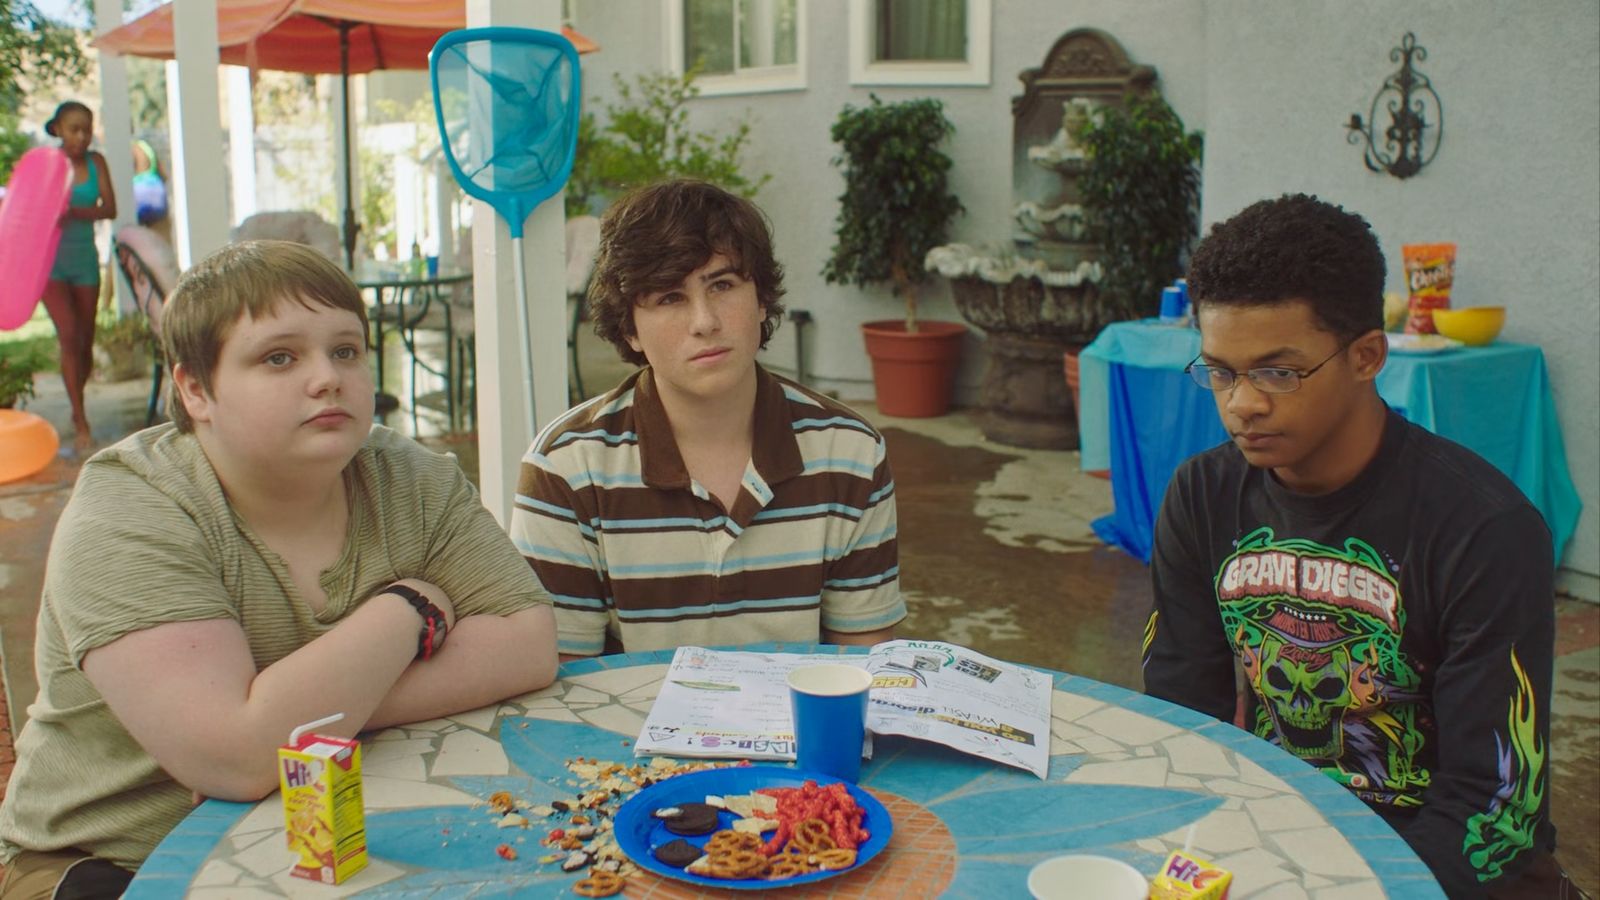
(1128, 776)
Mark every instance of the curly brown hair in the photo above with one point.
(652, 238)
(1295, 247)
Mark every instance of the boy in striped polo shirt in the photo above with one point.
(704, 500)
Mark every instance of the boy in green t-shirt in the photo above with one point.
(268, 559)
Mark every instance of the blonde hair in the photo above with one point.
(251, 277)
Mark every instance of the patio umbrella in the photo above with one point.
(344, 37)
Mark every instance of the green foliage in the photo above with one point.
(897, 203)
(125, 341)
(13, 143)
(377, 198)
(647, 137)
(18, 361)
(1141, 194)
(147, 93)
(36, 47)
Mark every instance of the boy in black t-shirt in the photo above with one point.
(1386, 593)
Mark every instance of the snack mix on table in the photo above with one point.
(582, 828)
(816, 829)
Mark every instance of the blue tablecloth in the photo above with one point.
(1141, 417)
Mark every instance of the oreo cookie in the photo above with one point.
(693, 819)
(677, 854)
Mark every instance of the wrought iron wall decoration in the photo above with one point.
(1416, 118)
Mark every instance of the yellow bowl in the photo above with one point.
(1474, 326)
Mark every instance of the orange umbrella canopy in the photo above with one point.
(343, 37)
(304, 35)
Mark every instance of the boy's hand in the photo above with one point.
(435, 595)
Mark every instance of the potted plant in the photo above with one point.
(123, 347)
(18, 361)
(897, 206)
(647, 137)
(1140, 190)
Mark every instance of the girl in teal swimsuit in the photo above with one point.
(74, 286)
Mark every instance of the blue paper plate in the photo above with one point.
(638, 832)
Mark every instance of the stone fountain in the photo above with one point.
(1039, 296)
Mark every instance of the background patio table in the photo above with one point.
(1128, 775)
(1141, 417)
(381, 280)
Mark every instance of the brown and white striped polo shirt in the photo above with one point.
(632, 548)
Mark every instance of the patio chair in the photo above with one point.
(301, 226)
(150, 267)
(583, 244)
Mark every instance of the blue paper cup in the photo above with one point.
(830, 718)
(1171, 304)
(433, 266)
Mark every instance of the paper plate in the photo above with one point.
(638, 832)
(1420, 344)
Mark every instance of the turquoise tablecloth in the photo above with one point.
(1140, 416)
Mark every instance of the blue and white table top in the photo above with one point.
(1128, 776)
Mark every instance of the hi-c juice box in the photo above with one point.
(320, 780)
(1187, 877)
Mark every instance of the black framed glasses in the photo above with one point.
(1266, 379)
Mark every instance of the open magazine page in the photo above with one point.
(962, 699)
(726, 704)
(735, 704)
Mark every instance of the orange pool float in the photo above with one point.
(27, 444)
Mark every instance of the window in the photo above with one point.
(741, 46)
(920, 42)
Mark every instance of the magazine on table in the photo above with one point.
(735, 704)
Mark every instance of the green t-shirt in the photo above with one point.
(149, 538)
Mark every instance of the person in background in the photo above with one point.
(1387, 594)
(265, 559)
(73, 290)
(704, 500)
(149, 184)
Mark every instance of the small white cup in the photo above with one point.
(1082, 877)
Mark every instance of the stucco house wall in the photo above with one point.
(1516, 184)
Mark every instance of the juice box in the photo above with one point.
(1187, 877)
(320, 780)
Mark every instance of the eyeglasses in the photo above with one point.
(1267, 379)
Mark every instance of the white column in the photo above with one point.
(341, 136)
(503, 436)
(241, 142)
(200, 223)
(116, 123)
(408, 214)
(442, 191)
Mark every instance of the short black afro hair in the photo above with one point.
(1294, 248)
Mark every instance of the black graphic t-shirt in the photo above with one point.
(1396, 633)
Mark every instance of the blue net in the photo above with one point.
(507, 110)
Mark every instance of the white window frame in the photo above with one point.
(748, 81)
(974, 71)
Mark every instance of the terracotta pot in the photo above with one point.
(914, 372)
(1069, 365)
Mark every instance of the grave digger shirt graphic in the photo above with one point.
(1317, 630)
